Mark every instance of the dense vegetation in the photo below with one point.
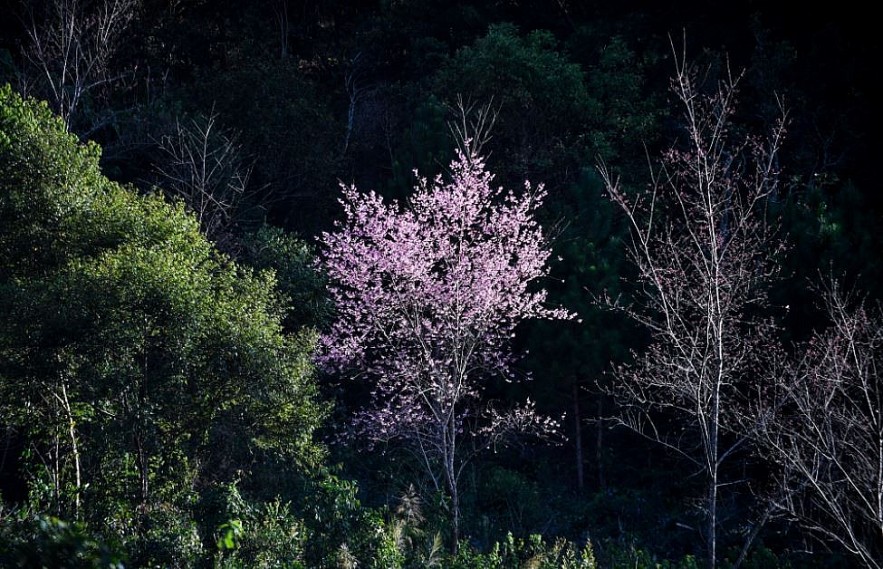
(206, 361)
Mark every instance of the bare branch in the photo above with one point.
(203, 166)
(471, 128)
(826, 428)
(70, 45)
(704, 252)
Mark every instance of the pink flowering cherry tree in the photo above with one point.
(428, 295)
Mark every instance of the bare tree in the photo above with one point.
(203, 166)
(472, 124)
(824, 427)
(71, 43)
(703, 249)
(283, 21)
(355, 92)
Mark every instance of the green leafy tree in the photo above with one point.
(138, 364)
(292, 260)
(541, 98)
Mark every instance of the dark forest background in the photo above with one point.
(297, 96)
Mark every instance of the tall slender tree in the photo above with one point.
(703, 249)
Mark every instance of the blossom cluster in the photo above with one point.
(428, 293)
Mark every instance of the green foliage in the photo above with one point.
(626, 118)
(46, 541)
(292, 260)
(616, 555)
(137, 362)
(259, 535)
(761, 557)
(531, 553)
(341, 526)
(542, 100)
(160, 535)
(231, 532)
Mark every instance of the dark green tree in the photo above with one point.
(543, 106)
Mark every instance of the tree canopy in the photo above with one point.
(138, 362)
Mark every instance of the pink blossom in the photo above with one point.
(428, 294)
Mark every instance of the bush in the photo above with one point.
(28, 540)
